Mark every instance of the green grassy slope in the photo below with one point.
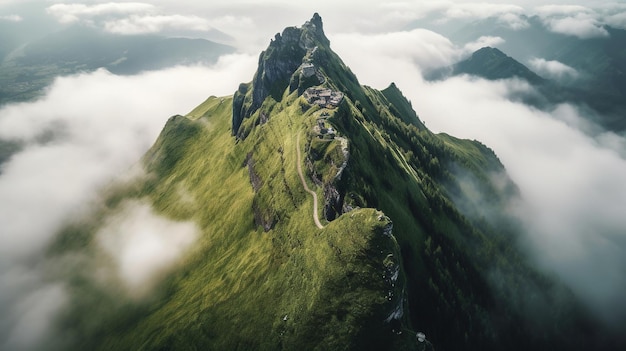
(243, 287)
(263, 276)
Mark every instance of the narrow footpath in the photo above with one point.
(316, 218)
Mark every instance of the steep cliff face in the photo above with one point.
(285, 54)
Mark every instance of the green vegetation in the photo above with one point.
(263, 276)
(243, 287)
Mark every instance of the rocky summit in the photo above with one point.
(329, 218)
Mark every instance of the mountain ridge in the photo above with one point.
(398, 252)
(30, 68)
(598, 62)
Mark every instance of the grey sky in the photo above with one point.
(252, 23)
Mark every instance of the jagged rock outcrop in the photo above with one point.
(277, 64)
(332, 202)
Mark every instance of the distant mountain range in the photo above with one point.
(597, 66)
(27, 69)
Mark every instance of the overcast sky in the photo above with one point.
(571, 181)
(252, 23)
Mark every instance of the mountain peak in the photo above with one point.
(307, 37)
(488, 51)
(316, 25)
(294, 59)
(493, 64)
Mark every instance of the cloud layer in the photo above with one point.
(155, 24)
(87, 130)
(70, 13)
(395, 54)
(127, 18)
(11, 18)
(247, 22)
(573, 20)
(572, 198)
(144, 245)
(553, 69)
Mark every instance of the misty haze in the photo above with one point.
(160, 163)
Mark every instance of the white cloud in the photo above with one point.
(481, 10)
(553, 69)
(94, 139)
(394, 53)
(247, 33)
(11, 18)
(551, 10)
(580, 26)
(573, 20)
(617, 20)
(137, 24)
(70, 13)
(482, 42)
(127, 18)
(513, 21)
(231, 23)
(509, 15)
(403, 12)
(570, 182)
(34, 316)
(144, 245)
(98, 125)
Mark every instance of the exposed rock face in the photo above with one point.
(332, 202)
(264, 217)
(277, 64)
(255, 180)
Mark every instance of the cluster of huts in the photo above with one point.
(323, 96)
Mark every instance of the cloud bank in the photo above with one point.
(248, 23)
(143, 245)
(70, 13)
(11, 18)
(574, 20)
(146, 24)
(572, 198)
(481, 43)
(553, 69)
(572, 201)
(87, 130)
(379, 58)
(127, 18)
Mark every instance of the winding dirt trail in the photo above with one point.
(316, 218)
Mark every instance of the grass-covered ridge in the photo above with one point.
(262, 276)
(242, 287)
